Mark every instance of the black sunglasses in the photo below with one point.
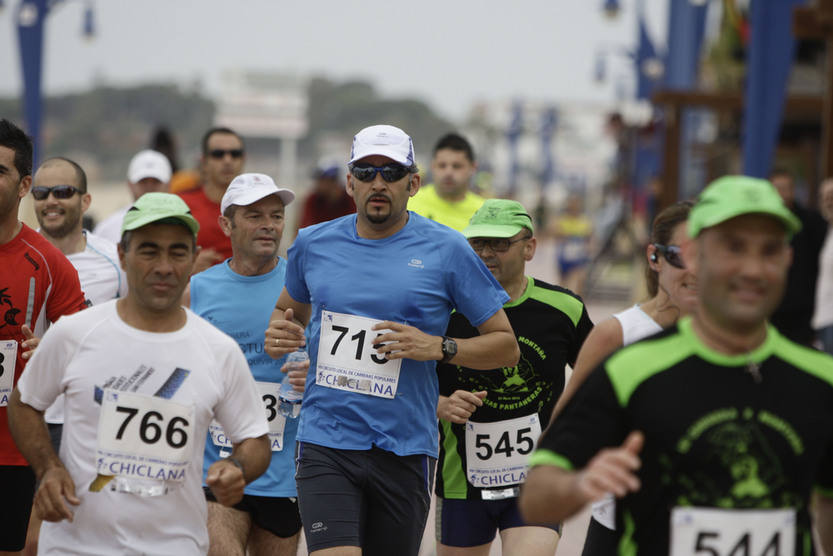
(497, 244)
(672, 254)
(390, 172)
(41, 192)
(221, 153)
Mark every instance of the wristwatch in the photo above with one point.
(449, 347)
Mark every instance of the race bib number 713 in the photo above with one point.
(347, 358)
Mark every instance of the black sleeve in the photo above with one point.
(592, 420)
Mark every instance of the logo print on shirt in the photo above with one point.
(10, 316)
(416, 263)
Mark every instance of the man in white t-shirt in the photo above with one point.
(143, 378)
(148, 171)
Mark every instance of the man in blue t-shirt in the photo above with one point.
(377, 289)
(237, 297)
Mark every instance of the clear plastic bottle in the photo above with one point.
(289, 401)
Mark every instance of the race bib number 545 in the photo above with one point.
(347, 358)
(713, 532)
(144, 437)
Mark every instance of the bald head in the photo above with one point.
(79, 178)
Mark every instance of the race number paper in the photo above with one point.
(144, 437)
(347, 359)
(497, 453)
(269, 393)
(8, 357)
(711, 531)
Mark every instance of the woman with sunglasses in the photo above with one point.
(673, 293)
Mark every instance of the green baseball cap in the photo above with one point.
(153, 207)
(498, 218)
(731, 196)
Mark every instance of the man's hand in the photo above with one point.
(613, 470)
(407, 342)
(30, 343)
(226, 482)
(458, 407)
(56, 488)
(298, 376)
(206, 258)
(283, 336)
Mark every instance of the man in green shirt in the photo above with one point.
(449, 200)
(714, 433)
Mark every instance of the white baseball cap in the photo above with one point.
(149, 164)
(384, 140)
(246, 189)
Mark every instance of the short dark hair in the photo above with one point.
(80, 174)
(12, 137)
(455, 142)
(781, 173)
(214, 130)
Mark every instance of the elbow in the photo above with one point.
(512, 353)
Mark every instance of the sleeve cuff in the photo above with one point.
(548, 457)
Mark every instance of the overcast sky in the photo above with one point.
(450, 53)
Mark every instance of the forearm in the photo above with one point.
(488, 351)
(253, 455)
(550, 495)
(823, 521)
(29, 431)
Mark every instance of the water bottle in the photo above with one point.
(289, 401)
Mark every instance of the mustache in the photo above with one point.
(377, 196)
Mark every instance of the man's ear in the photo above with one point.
(225, 225)
(529, 248)
(86, 199)
(348, 186)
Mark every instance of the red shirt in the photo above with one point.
(38, 285)
(207, 212)
(318, 209)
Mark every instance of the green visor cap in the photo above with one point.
(731, 196)
(153, 207)
(498, 218)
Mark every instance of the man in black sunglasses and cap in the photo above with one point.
(223, 158)
(37, 286)
(377, 289)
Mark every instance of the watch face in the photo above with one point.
(449, 347)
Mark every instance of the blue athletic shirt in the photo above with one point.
(417, 277)
(241, 306)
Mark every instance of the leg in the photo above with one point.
(529, 541)
(330, 498)
(399, 497)
(264, 543)
(228, 530)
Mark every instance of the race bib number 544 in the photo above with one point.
(144, 437)
(347, 358)
(713, 532)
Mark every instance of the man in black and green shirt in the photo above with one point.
(717, 432)
(490, 420)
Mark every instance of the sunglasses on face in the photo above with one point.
(221, 153)
(390, 172)
(672, 254)
(497, 244)
(41, 192)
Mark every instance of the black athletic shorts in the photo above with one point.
(279, 516)
(466, 523)
(17, 483)
(373, 499)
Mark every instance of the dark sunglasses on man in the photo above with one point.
(219, 154)
(496, 244)
(41, 192)
(390, 172)
(672, 254)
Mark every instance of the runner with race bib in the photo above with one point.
(714, 433)
(377, 289)
(142, 378)
(491, 420)
(237, 297)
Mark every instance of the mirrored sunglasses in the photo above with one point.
(390, 172)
